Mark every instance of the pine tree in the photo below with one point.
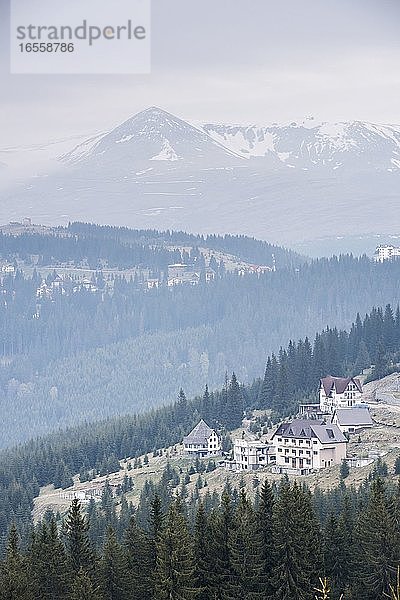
(113, 570)
(15, 582)
(79, 551)
(201, 550)
(363, 358)
(140, 558)
(222, 523)
(235, 406)
(175, 569)
(293, 571)
(376, 542)
(82, 587)
(247, 556)
(335, 556)
(49, 563)
(265, 516)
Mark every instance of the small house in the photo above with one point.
(202, 441)
(352, 420)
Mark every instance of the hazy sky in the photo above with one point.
(250, 61)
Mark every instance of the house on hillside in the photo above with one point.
(251, 454)
(352, 420)
(8, 268)
(152, 283)
(177, 270)
(202, 441)
(303, 445)
(386, 252)
(339, 392)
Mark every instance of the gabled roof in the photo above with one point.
(199, 435)
(307, 429)
(339, 383)
(353, 416)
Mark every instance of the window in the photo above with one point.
(330, 433)
(286, 459)
(300, 451)
(314, 441)
(315, 452)
(279, 439)
(308, 461)
(293, 451)
(279, 449)
(308, 452)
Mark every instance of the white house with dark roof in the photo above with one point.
(352, 420)
(251, 454)
(305, 445)
(339, 392)
(202, 441)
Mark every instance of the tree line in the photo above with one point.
(280, 543)
(293, 374)
(83, 356)
(99, 446)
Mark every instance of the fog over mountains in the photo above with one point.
(285, 183)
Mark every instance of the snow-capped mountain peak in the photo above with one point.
(149, 134)
(311, 144)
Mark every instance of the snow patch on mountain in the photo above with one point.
(167, 153)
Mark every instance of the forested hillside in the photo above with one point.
(86, 356)
(98, 447)
(283, 544)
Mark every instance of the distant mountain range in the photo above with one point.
(284, 183)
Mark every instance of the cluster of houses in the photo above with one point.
(64, 285)
(7, 268)
(315, 440)
(385, 252)
(183, 274)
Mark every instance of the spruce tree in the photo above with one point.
(201, 551)
(15, 582)
(264, 517)
(246, 555)
(113, 570)
(78, 547)
(82, 587)
(175, 569)
(376, 542)
(49, 563)
(335, 556)
(140, 559)
(292, 579)
(222, 522)
(235, 404)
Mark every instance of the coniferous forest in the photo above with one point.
(283, 543)
(99, 447)
(88, 356)
(71, 358)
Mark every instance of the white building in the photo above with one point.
(250, 454)
(303, 445)
(339, 392)
(177, 270)
(152, 283)
(352, 420)
(8, 269)
(386, 252)
(202, 441)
